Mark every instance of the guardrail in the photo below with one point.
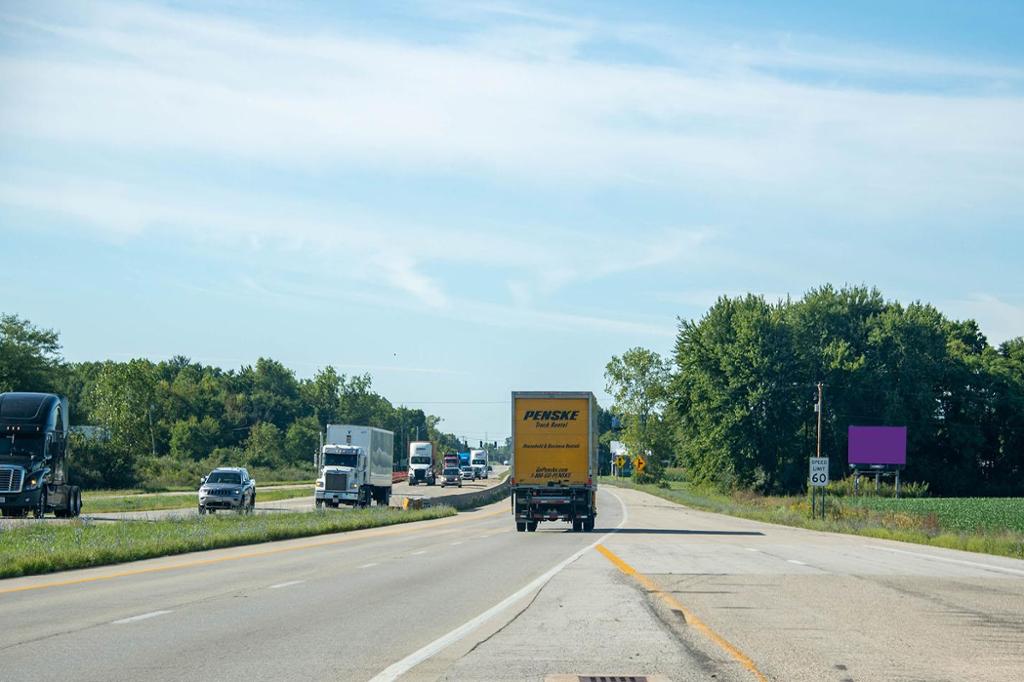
(477, 498)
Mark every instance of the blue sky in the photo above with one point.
(464, 199)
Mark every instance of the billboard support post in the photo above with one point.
(879, 451)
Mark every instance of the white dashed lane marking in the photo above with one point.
(144, 616)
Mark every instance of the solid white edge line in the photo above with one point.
(990, 567)
(371, 565)
(287, 584)
(143, 616)
(395, 670)
(422, 551)
(794, 561)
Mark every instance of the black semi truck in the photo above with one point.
(33, 456)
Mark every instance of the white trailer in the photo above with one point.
(421, 462)
(355, 466)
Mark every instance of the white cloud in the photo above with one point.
(998, 318)
(164, 80)
(703, 298)
(517, 104)
(378, 258)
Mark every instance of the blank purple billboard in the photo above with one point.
(877, 445)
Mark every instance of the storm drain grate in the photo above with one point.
(606, 678)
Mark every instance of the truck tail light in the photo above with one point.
(512, 481)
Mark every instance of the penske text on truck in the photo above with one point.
(554, 458)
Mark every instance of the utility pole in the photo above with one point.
(820, 407)
(820, 410)
(152, 434)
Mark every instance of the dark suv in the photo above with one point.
(227, 488)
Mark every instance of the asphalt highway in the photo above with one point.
(399, 490)
(656, 589)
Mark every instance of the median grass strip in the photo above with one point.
(128, 503)
(987, 525)
(48, 547)
(180, 489)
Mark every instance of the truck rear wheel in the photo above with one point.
(531, 526)
(72, 500)
(588, 524)
(520, 526)
(72, 504)
(577, 525)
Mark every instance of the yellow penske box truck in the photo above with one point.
(554, 458)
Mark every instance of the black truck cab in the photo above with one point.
(33, 456)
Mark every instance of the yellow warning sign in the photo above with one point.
(620, 461)
(639, 463)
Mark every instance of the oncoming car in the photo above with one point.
(227, 488)
(451, 476)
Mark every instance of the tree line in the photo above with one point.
(735, 405)
(156, 424)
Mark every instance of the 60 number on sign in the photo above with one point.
(819, 471)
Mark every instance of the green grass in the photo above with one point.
(180, 489)
(988, 525)
(47, 547)
(127, 503)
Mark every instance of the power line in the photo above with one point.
(454, 402)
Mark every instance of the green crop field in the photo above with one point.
(994, 525)
(965, 514)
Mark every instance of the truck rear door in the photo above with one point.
(552, 440)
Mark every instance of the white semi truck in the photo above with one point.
(355, 466)
(478, 460)
(421, 462)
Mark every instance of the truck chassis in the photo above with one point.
(531, 505)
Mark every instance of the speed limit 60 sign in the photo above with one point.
(819, 471)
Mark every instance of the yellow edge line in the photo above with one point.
(691, 619)
(401, 528)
